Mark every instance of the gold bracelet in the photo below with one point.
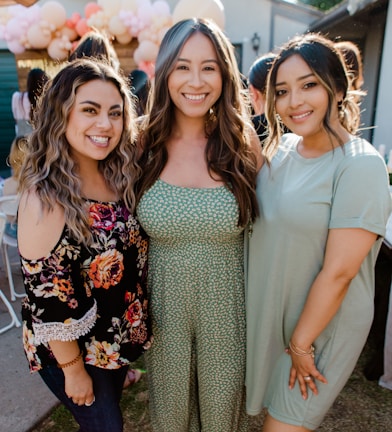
(72, 362)
(300, 352)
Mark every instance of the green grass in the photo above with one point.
(363, 406)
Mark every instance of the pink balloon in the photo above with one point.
(145, 13)
(90, 9)
(148, 67)
(162, 8)
(82, 27)
(71, 22)
(15, 47)
(13, 29)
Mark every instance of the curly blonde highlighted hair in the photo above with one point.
(49, 168)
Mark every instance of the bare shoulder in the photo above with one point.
(39, 229)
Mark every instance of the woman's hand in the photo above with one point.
(345, 251)
(304, 370)
(79, 385)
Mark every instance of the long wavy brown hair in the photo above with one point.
(328, 65)
(228, 152)
(49, 168)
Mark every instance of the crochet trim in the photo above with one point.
(45, 332)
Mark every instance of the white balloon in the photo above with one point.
(212, 9)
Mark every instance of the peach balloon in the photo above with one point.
(212, 9)
(110, 7)
(38, 37)
(116, 26)
(90, 9)
(70, 33)
(54, 13)
(146, 51)
(124, 38)
(129, 5)
(57, 50)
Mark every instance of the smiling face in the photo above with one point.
(302, 101)
(95, 122)
(195, 83)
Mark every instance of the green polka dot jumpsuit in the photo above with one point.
(196, 365)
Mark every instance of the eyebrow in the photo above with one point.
(97, 105)
(299, 79)
(204, 61)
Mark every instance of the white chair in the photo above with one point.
(14, 319)
(9, 208)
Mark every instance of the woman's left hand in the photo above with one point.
(304, 370)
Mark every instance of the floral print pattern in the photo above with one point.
(96, 295)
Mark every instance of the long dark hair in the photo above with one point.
(228, 151)
(328, 65)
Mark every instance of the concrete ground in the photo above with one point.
(24, 398)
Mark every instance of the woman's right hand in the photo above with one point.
(78, 384)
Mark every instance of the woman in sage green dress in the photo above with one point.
(324, 203)
(197, 194)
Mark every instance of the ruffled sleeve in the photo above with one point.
(62, 307)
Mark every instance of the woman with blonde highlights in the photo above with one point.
(83, 253)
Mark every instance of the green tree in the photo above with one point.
(323, 5)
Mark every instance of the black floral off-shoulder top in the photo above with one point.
(97, 295)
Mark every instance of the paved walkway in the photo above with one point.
(24, 398)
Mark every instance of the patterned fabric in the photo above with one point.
(196, 366)
(95, 295)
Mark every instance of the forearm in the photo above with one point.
(64, 352)
(78, 383)
(325, 297)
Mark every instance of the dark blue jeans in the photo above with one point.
(104, 415)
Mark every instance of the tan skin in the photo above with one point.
(300, 103)
(195, 84)
(97, 113)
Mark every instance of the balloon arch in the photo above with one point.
(136, 27)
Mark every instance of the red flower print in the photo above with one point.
(134, 313)
(102, 216)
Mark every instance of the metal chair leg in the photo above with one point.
(10, 278)
(14, 319)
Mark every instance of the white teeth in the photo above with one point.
(195, 97)
(301, 116)
(100, 139)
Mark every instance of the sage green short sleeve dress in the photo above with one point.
(300, 200)
(196, 370)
